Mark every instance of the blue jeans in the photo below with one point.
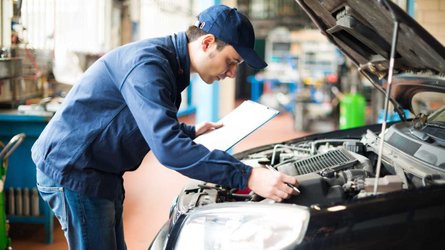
(87, 222)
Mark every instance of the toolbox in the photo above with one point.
(21, 174)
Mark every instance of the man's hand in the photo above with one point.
(270, 184)
(206, 126)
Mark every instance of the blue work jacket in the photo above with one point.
(125, 105)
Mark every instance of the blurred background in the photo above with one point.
(46, 45)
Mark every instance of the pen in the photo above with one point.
(288, 184)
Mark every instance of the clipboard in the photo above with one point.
(237, 125)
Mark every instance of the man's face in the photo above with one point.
(219, 64)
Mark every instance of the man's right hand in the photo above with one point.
(270, 184)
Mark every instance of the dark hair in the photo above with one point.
(194, 33)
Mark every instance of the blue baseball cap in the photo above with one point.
(230, 26)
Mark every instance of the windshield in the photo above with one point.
(427, 103)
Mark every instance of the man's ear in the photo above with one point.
(207, 41)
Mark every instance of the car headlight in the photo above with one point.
(244, 226)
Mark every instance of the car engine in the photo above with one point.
(336, 170)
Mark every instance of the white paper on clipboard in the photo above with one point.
(238, 124)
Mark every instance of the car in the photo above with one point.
(379, 186)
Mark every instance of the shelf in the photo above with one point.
(21, 170)
(10, 67)
(27, 219)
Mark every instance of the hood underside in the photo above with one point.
(363, 30)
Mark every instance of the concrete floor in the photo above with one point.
(150, 191)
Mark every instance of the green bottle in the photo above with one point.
(352, 111)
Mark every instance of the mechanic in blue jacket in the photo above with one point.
(125, 105)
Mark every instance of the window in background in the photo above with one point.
(80, 26)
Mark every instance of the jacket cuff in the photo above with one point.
(245, 174)
(189, 130)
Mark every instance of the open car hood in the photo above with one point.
(363, 31)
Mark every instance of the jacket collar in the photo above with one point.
(182, 57)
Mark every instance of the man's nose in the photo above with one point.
(231, 71)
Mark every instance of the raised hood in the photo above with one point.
(363, 31)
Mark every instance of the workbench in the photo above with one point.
(21, 172)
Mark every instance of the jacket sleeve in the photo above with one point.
(189, 130)
(149, 91)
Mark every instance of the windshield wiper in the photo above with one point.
(437, 124)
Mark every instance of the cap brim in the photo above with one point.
(251, 58)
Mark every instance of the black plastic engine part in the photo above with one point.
(315, 190)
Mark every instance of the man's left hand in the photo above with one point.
(205, 127)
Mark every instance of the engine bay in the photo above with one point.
(337, 170)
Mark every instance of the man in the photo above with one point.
(126, 105)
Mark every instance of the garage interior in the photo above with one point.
(46, 45)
